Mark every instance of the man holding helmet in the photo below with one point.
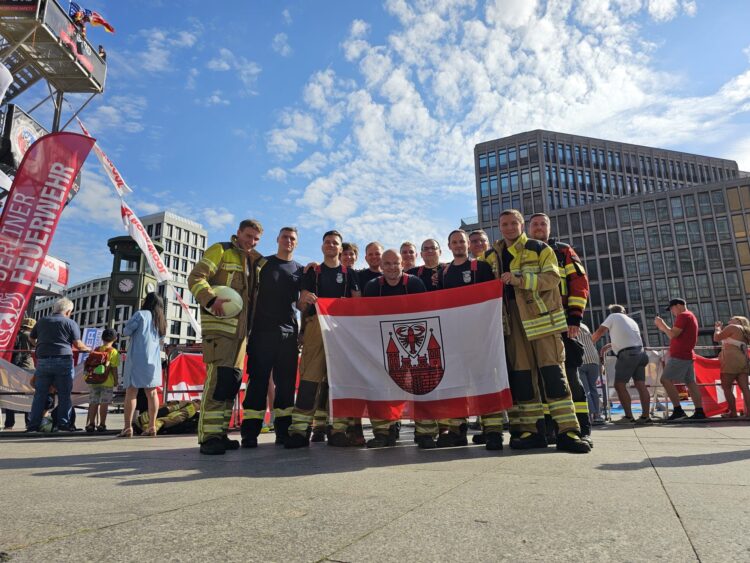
(227, 264)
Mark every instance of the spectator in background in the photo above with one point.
(102, 53)
(100, 394)
(631, 361)
(146, 329)
(733, 358)
(683, 337)
(23, 357)
(408, 253)
(55, 337)
(589, 372)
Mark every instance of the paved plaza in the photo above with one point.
(678, 492)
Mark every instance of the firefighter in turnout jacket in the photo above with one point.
(533, 319)
(574, 290)
(224, 339)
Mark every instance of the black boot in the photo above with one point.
(213, 446)
(494, 440)
(282, 424)
(294, 441)
(528, 441)
(571, 442)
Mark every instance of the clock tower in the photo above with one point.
(131, 279)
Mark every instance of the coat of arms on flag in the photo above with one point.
(413, 354)
(429, 355)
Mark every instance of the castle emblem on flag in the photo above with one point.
(413, 354)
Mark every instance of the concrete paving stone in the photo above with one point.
(512, 518)
(82, 498)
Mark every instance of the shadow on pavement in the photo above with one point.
(154, 465)
(716, 458)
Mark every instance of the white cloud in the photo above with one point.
(665, 10)
(191, 78)
(280, 44)
(218, 218)
(277, 174)
(455, 73)
(160, 44)
(246, 70)
(286, 16)
(214, 99)
(122, 113)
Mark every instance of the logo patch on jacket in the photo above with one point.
(467, 276)
(339, 278)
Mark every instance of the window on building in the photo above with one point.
(624, 211)
(484, 187)
(493, 184)
(690, 289)
(586, 221)
(616, 267)
(686, 263)
(523, 154)
(614, 242)
(150, 230)
(636, 218)
(644, 268)
(503, 159)
(627, 241)
(733, 284)
(168, 228)
(514, 181)
(486, 216)
(694, 232)
(699, 258)
(512, 156)
(504, 183)
(639, 239)
(690, 208)
(525, 179)
(680, 233)
(482, 163)
(634, 291)
(536, 180)
(718, 200)
(631, 266)
(727, 256)
(676, 204)
(491, 161)
(722, 227)
(157, 230)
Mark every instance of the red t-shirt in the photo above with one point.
(682, 346)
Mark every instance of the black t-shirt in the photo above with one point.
(508, 291)
(426, 275)
(375, 288)
(330, 282)
(277, 293)
(459, 276)
(364, 276)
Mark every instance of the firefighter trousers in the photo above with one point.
(545, 356)
(313, 374)
(580, 400)
(224, 358)
(269, 352)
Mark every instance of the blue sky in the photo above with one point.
(363, 116)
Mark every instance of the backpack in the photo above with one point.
(96, 367)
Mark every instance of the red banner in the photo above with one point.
(29, 220)
(708, 376)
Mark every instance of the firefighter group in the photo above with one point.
(545, 293)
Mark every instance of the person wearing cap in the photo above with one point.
(679, 369)
(631, 361)
(23, 357)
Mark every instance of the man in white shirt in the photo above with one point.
(631, 361)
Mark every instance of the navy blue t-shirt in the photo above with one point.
(55, 335)
(330, 282)
(381, 288)
(364, 277)
(278, 291)
(459, 276)
(425, 274)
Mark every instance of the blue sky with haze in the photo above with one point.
(363, 116)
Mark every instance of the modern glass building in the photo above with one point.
(649, 223)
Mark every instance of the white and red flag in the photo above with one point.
(423, 356)
(109, 167)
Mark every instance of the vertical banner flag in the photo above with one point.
(29, 220)
(140, 236)
(109, 167)
(423, 356)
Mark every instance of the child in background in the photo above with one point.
(100, 396)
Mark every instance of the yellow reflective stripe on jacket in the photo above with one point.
(576, 302)
(199, 286)
(252, 414)
(548, 324)
(569, 269)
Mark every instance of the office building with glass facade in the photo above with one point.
(649, 224)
